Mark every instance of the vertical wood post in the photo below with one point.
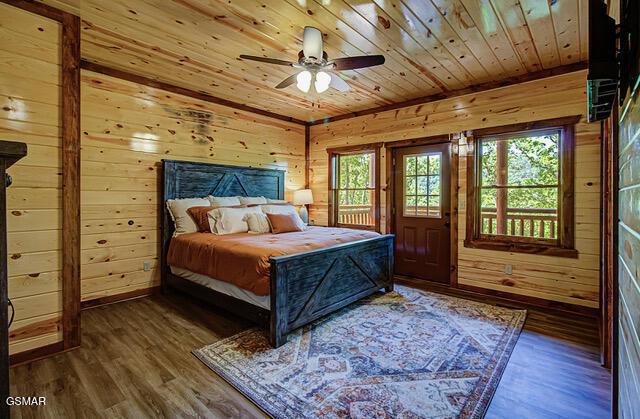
(70, 111)
(4, 300)
(501, 180)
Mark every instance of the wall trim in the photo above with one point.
(70, 133)
(503, 298)
(135, 78)
(390, 190)
(557, 71)
(70, 112)
(38, 9)
(111, 299)
(36, 353)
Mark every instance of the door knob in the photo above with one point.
(447, 223)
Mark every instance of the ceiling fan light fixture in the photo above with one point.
(304, 81)
(322, 81)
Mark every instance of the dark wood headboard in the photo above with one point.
(184, 179)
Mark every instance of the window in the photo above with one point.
(520, 188)
(354, 177)
(422, 185)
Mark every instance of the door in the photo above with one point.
(422, 202)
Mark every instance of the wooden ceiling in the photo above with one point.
(431, 46)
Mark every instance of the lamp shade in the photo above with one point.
(302, 197)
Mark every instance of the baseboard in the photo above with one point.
(111, 299)
(500, 297)
(36, 353)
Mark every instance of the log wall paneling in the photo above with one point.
(430, 46)
(127, 128)
(561, 280)
(629, 260)
(30, 92)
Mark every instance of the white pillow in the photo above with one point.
(284, 209)
(248, 200)
(224, 201)
(258, 223)
(183, 223)
(276, 201)
(229, 220)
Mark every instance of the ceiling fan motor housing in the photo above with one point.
(308, 61)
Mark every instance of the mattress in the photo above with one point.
(242, 259)
(223, 287)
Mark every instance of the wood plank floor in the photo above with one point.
(135, 361)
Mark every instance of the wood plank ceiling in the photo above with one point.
(431, 46)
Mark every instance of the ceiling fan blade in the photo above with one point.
(312, 42)
(267, 60)
(351, 63)
(339, 84)
(287, 82)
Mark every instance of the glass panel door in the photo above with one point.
(422, 186)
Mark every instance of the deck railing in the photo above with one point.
(356, 214)
(363, 214)
(525, 222)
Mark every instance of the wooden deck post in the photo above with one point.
(501, 193)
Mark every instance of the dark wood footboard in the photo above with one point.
(308, 285)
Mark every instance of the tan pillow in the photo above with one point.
(258, 223)
(200, 216)
(224, 201)
(228, 220)
(283, 223)
(247, 200)
(178, 211)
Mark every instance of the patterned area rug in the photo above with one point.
(408, 353)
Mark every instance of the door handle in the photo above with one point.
(447, 224)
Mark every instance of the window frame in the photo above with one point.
(564, 244)
(416, 176)
(335, 152)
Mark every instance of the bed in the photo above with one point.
(302, 286)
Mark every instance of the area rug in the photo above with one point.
(408, 353)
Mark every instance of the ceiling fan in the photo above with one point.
(316, 67)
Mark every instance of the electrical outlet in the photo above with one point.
(146, 266)
(312, 222)
(508, 269)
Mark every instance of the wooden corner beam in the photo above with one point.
(569, 68)
(135, 78)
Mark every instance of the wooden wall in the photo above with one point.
(629, 261)
(573, 281)
(127, 128)
(30, 112)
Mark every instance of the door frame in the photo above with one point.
(391, 178)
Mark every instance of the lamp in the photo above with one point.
(303, 80)
(322, 81)
(303, 197)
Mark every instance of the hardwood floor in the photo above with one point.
(135, 361)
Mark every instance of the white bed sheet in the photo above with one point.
(223, 287)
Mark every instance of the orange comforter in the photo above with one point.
(243, 259)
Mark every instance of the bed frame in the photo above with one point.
(304, 286)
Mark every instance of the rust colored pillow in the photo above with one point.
(200, 217)
(284, 223)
